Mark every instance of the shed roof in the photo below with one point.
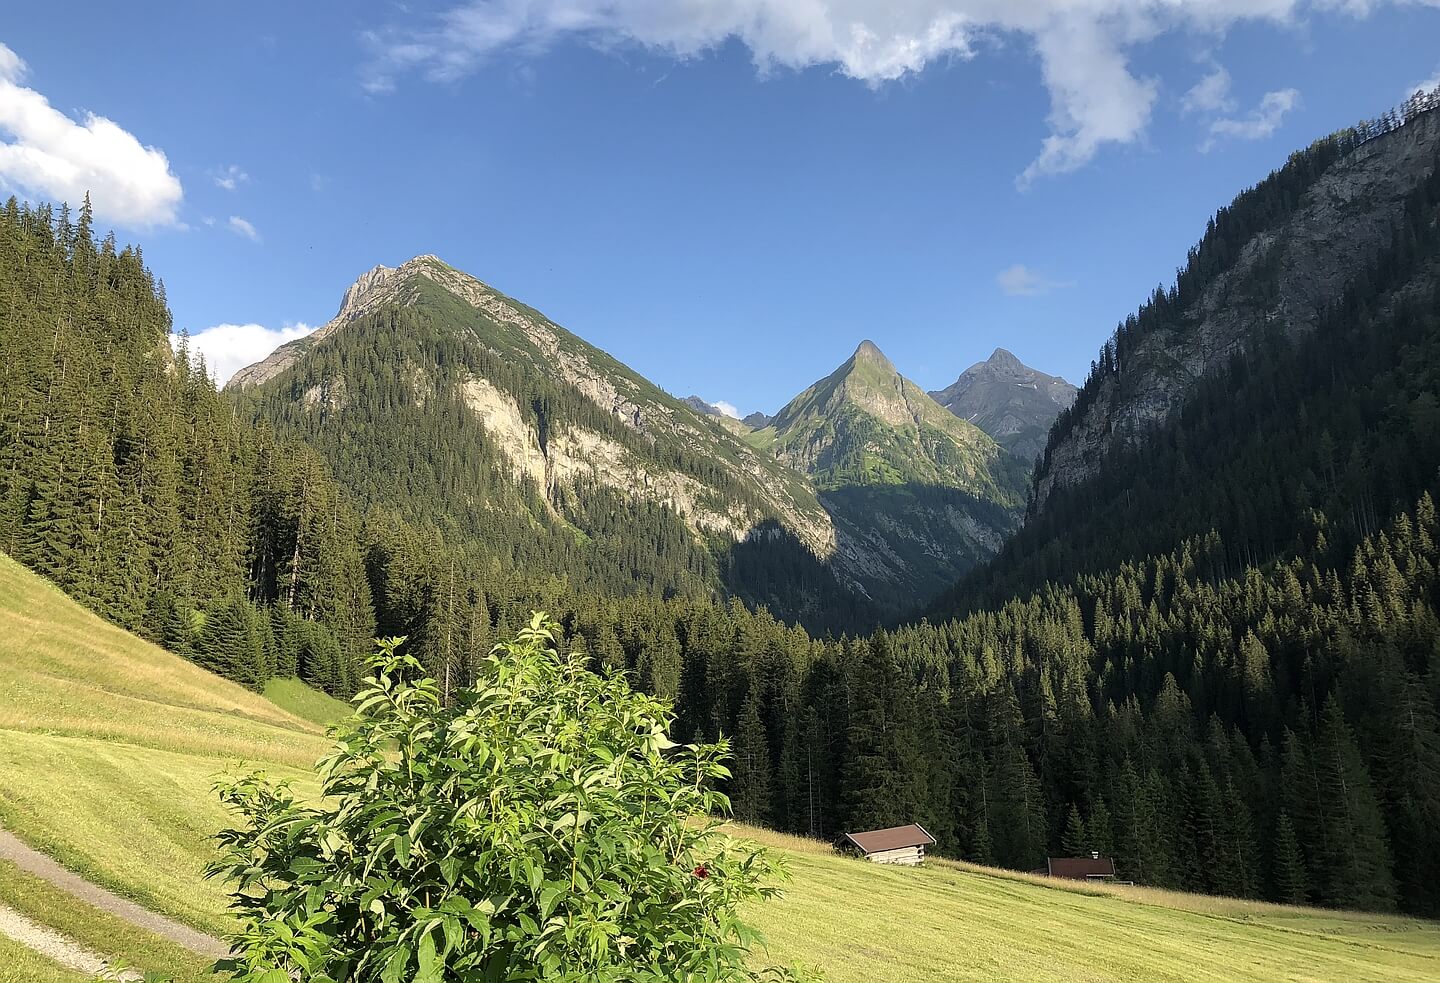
(894, 838)
(1081, 867)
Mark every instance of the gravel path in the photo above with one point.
(41, 866)
(56, 947)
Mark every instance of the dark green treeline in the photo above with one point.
(129, 482)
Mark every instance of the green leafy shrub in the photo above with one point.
(542, 828)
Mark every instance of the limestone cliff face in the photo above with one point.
(1282, 277)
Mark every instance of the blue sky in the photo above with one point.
(728, 197)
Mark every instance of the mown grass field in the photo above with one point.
(108, 747)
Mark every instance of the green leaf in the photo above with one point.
(431, 969)
(396, 965)
(550, 896)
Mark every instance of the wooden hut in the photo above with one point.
(896, 845)
(1091, 868)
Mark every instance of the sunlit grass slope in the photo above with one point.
(959, 922)
(108, 747)
(304, 702)
(123, 944)
(19, 965)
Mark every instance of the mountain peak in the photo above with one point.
(372, 289)
(870, 352)
(1010, 401)
(1001, 358)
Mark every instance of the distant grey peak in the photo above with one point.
(701, 406)
(1010, 401)
(1005, 361)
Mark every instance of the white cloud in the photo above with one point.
(1021, 281)
(1259, 123)
(1209, 95)
(46, 154)
(241, 227)
(729, 409)
(1424, 85)
(229, 178)
(1084, 46)
(228, 348)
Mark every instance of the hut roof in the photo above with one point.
(1081, 867)
(894, 838)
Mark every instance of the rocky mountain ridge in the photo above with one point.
(1010, 401)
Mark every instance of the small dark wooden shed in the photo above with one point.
(1091, 868)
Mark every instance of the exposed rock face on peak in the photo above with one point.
(371, 290)
(714, 412)
(868, 351)
(757, 420)
(707, 409)
(1010, 401)
(1300, 259)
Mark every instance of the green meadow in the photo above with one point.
(109, 745)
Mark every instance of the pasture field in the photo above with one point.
(109, 745)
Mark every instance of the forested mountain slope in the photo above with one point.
(918, 496)
(1281, 256)
(1010, 401)
(439, 399)
(1286, 393)
(127, 481)
(555, 409)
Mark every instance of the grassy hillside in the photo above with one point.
(959, 922)
(108, 746)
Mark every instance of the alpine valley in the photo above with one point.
(435, 395)
(1186, 616)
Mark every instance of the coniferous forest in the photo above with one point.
(1231, 682)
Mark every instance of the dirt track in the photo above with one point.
(68, 952)
(56, 947)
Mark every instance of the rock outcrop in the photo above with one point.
(1283, 277)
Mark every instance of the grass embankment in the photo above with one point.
(108, 747)
(19, 965)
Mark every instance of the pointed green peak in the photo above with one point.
(870, 353)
